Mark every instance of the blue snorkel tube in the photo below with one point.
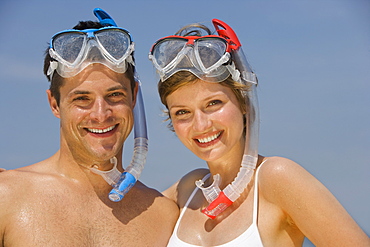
(123, 183)
(133, 171)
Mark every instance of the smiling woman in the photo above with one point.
(209, 92)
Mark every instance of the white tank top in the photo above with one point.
(251, 237)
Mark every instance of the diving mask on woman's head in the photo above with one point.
(208, 57)
(73, 50)
(215, 58)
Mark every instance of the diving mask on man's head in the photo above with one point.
(73, 50)
(112, 46)
(208, 57)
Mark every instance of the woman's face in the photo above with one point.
(207, 119)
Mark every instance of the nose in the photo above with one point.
(201, 121)
(101, 110)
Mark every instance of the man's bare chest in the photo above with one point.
(74, 224)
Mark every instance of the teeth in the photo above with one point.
(100, 131)
(210, 138)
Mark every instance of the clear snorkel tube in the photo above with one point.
(220, 200)
(133, 171)
(122, 183)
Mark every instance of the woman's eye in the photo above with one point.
(180, 112)
(215, 102)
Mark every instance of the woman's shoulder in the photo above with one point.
(275, 168)
(280, 176)
(182, 189)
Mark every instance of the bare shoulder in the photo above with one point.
(155, 195)
(307, 204)
(281, 173)
(181, 190)
(280, 177)
(13, 189)
(15, 185)
(159, 205)
(278, 166)
(11, 181)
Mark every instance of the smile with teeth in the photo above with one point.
(210, 138)
(101, 131)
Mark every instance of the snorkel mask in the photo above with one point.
(214, 58)
(112, 46)
(202, 56)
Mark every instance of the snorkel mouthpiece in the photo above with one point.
(217, 206)
(125, 183)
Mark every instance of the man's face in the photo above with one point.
(95, 113)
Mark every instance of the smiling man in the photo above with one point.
(60, 201)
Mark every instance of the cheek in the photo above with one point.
(232, 117)
(72, 116)
(179, 128)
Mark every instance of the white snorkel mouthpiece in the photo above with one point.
(220, 200)
(211, 191)
(112, 176)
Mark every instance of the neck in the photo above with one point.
(78, 167)
(228, 166)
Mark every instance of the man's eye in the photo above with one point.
(116, 94)
(81, 98)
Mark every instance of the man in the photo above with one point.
(60, 201)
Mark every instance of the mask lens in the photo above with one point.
(69, 45)
(166, 50)
(115, 42)
(210, 50)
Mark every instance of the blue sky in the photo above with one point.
(312, 59)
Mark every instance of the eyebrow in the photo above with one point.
(81, 92)
(208, 98)
(77, 92)
(117, 88)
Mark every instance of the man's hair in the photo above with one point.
(56, 82)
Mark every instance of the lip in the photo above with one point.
(102, 132)
(209, 139)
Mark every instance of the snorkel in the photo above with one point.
(127, 179)
(121, 182)
(220, 200)
(133, 171)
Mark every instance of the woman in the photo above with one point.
(208, 89)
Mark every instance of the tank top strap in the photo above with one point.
(188, 202)
(255, 199)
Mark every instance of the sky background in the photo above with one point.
(312, 59)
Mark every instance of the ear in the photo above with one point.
(134, 96)
(53, 104)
